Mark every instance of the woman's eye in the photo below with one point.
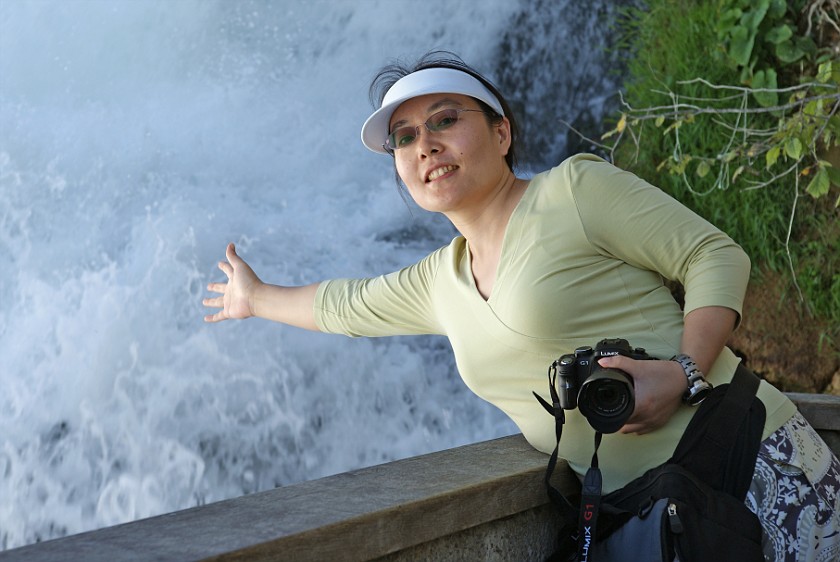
(444, 121)
(402, 137)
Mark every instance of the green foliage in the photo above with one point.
(733, 107)
(759, 36)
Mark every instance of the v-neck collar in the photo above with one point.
(508, 251)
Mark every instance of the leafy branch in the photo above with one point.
(808, 125)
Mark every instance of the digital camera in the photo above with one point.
(604, 396)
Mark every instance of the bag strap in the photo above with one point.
(717, 446)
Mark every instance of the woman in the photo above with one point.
(543, 266)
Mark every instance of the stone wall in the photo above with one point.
(485, 501)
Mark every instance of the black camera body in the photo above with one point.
(604, 396)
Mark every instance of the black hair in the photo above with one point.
(390, 74)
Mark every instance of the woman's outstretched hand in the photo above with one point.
(236, 295)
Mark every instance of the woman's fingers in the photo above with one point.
(218, 317)
(214, 302)
(230, 253)
(226, 268)
(217, 287)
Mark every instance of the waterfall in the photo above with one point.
(136, 140)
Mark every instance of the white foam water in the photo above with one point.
(136, 140)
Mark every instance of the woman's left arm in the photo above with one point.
(705, 332)
(660, 385)
(650, 230)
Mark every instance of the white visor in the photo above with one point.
(427, 81)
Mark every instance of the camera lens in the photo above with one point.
(607, 400)
(610, 397)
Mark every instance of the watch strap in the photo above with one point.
(698, 386)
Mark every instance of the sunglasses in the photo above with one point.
(440, 121)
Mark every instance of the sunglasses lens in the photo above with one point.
(442, 120)
(403, 136)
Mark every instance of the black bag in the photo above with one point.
(668, 512)
(692, 506)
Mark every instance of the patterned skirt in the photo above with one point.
(795, 492)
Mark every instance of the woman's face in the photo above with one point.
(455, 169)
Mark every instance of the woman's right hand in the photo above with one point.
(237, 294)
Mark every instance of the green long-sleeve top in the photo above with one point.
(583, 258)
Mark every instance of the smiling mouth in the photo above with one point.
(438, 172)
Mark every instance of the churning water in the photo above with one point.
(136, 139)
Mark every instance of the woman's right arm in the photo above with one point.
(244, 295)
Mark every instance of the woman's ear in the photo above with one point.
(503, 130)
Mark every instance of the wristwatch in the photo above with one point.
(698, 387)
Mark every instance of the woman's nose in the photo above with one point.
(428, 144)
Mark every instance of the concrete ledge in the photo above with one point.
(530, 535)
(819, 409)
(357, 515)
(823, 412)
(484, 501)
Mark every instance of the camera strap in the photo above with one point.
(557, 498)
(590, 504)
(591, 490)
